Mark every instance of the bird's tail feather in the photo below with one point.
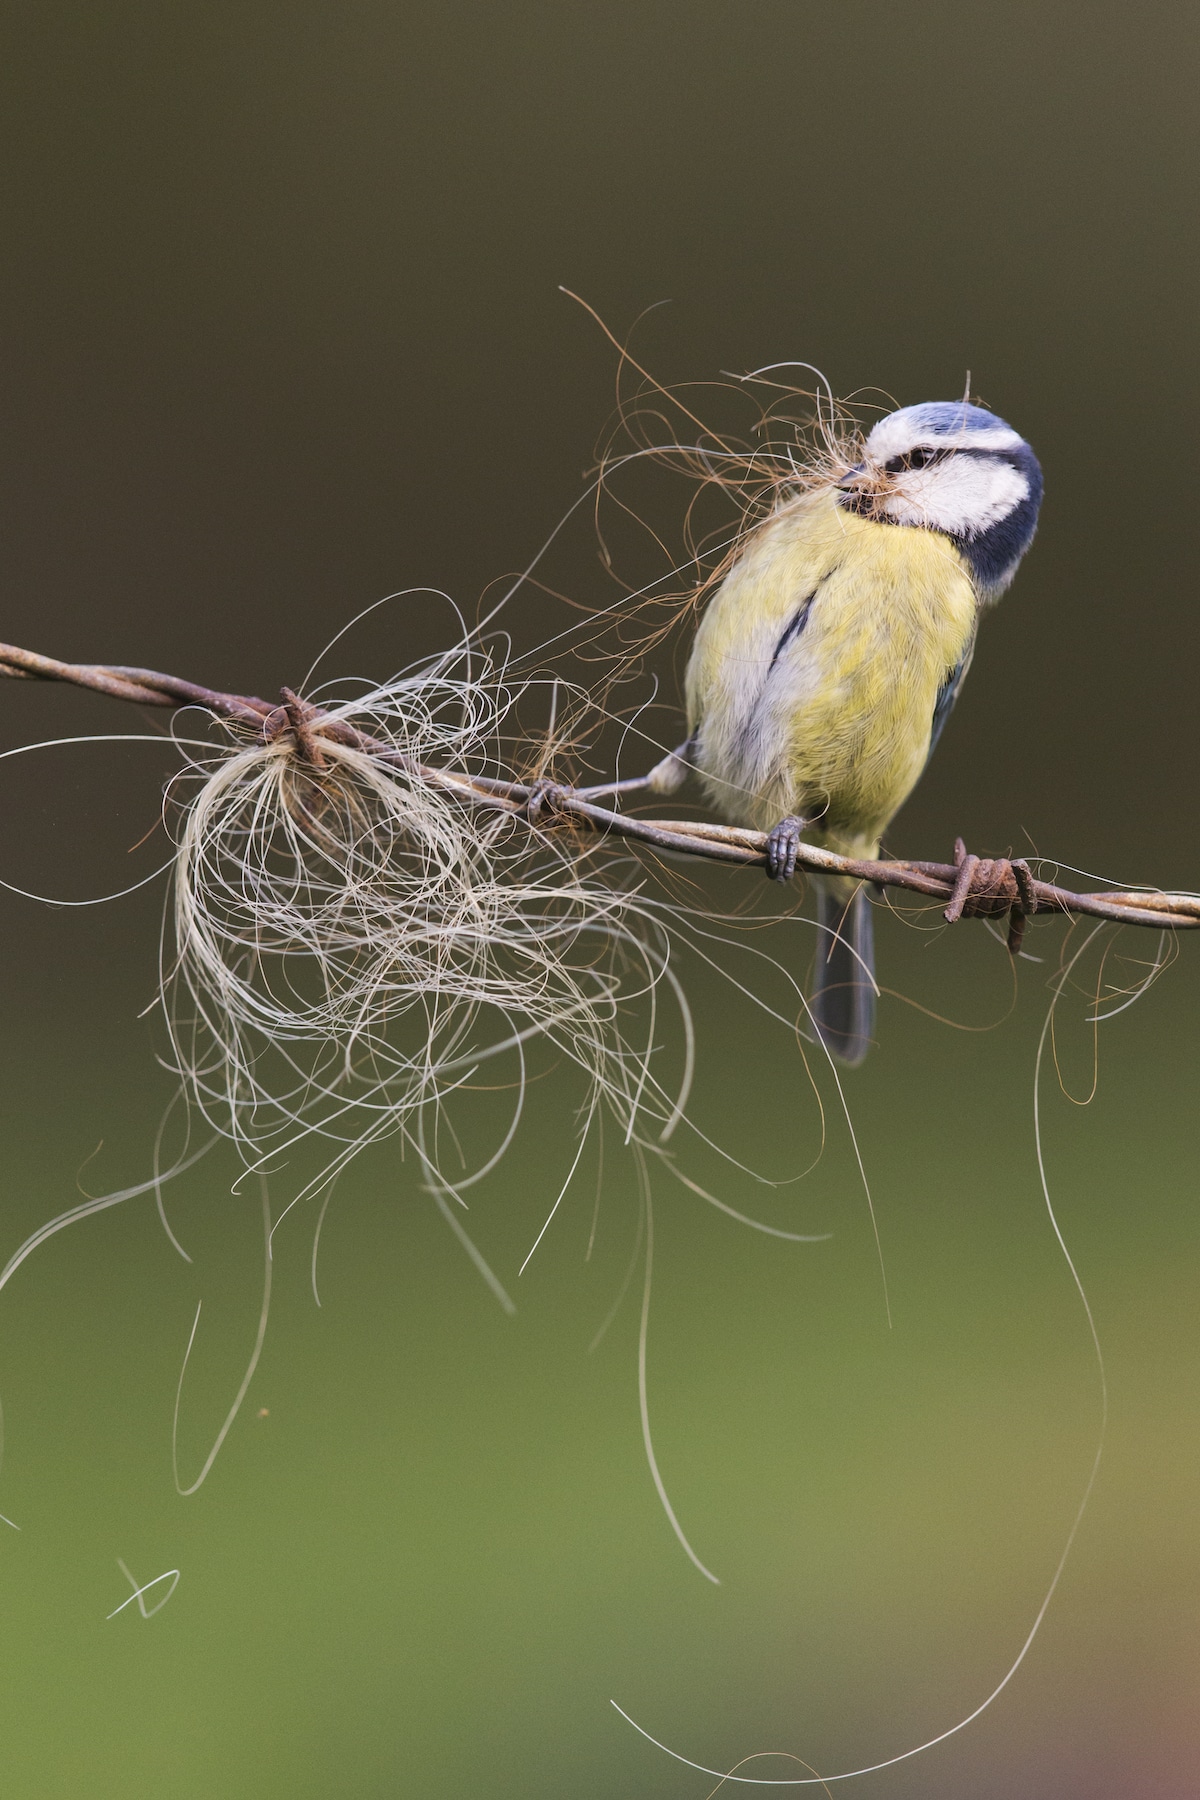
(843, 990)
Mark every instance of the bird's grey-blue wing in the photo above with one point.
(943, 706)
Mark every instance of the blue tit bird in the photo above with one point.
(826, 664)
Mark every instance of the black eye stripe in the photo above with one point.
(926, 456)
(920, 458)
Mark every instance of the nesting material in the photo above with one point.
(354, 941)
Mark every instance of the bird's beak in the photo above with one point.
(853, 478)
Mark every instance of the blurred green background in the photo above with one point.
(281, 334)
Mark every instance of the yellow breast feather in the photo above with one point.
(817, 666)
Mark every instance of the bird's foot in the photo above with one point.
(984, 889)
(783, 845)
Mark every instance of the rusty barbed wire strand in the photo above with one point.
(972, 887)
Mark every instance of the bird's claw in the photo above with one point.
(783, 846)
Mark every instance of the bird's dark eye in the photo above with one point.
(919, 458)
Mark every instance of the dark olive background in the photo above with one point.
(281, 334)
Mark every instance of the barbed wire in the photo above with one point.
(971, 886)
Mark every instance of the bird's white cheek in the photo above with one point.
(964, 496)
